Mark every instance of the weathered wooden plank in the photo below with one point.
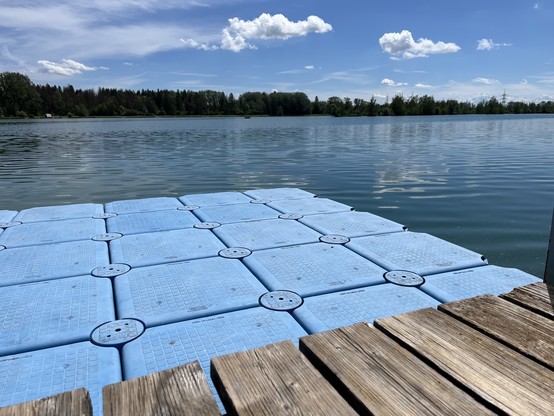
(75, 402)
(527, 332)
(182, 390)
(538, 297)
(380, 377)
(275, 380)
(504, 378)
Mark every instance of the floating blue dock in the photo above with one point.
(93, 294)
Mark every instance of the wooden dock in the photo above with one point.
(482, 355)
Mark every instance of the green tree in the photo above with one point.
(18, 95)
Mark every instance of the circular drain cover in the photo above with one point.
(234, 253)
(104, 216)
(107, 236)
(281, 300)
(207, 225)
(117, 333)
(260, 201)
(111, 270)
(334, 239)
(188, 208)
(2, 248)
(404, 278)
(290, 216)
(9, 224)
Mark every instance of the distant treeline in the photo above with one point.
(19, 97)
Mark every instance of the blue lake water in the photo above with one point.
(483, 182)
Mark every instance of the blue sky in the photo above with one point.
(468, 50)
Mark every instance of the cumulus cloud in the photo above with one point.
(488, 45)
(423, 86)
(191, 43)
(67, 67)
(403, 46)
(309, 67)
(391, 83)
(486, 81)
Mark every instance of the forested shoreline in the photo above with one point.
(20, 98)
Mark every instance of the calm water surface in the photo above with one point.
(483, 182)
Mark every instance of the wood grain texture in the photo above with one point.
(182, 391)
(527, 332)
(538, 297)
(71, 403)
(382, 378)
(275, 380)
(500, 376)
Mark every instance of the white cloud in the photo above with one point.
(488, 45)
(234, 41)
(67, 67)
(191, 43)
(392, 83)
(486, 81)
(423, 86)
(309, 67)
(403, 46)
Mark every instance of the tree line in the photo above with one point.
(19, 97)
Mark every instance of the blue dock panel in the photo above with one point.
(164, 247)
(416, 252)
(147, 222)
(142, 205)
(59, 212)
(351, 224)
(53, 312)
(48, 232)
(321, 313)
(276, 194)
(172, 345)
(51, 261)
(37, 374)
(218, 198)
(225, 214)
(258, 235)
(7, 216)
(186, 290)
(313, 269)
(308, 206)
(462, 284)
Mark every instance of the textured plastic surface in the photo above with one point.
(257, 235)
(218, 198)
(59, 212)
(419, 253)
(309, 206)
(351, 224)
(279, 193)
(51, 313)
(236, 213)
(43, 373)
(7, 216)
(320, 313)
(186, 290)
(172, 345)
(147, 222)
(51, 261)
(51, 232)
(494, 280)
(313, 269)
(143, 205)
(117, 333)
(164, 247)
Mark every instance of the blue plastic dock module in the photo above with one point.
(351, 224)
(321, 313)
(462, 284)
(147, 222)
(279, 193)
(415, 252)
(313, 269)
(258, 235)
(225, 214)
(59, 212)
(172, 345)
(142, 205)
(164, 247)
(43, 373)
(218, 198)
(49, 232)
(7, 216)
(186, 290)
(54, 312)
(308, 206)
(51, 261)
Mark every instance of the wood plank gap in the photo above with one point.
(71, 403)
